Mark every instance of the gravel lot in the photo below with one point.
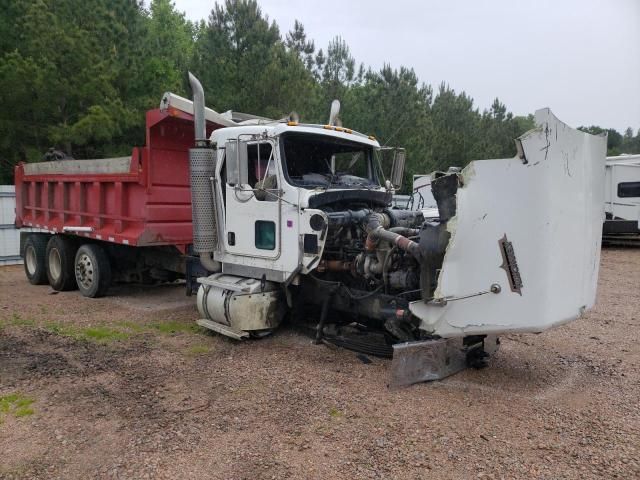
(126, 387)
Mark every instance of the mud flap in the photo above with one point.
(428, 360)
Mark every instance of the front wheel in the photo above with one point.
(93, 271)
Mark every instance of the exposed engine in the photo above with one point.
(376, 260)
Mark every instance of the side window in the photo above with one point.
(265, 235)
(262, 171)
(629, 189)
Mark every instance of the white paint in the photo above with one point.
(551, 209)
(76, 229)
(9, 236)
(423, 198)
(242, 208)
(624, 168)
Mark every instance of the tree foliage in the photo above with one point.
(79, 75)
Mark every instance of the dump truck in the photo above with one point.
(291, 220)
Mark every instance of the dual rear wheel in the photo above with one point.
(92, 270)
(65, 264)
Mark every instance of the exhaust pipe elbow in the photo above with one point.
(375, 227)
(199, 125)
(207, 261)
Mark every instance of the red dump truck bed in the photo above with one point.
(140, 200)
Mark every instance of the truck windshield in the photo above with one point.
(319, 161)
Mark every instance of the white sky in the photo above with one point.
(581, 58)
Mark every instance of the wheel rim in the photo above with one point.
(84, 271)
(30, 260)
(55, 263)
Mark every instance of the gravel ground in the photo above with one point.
(126, 387)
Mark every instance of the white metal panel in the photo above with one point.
(551, 209)
(423, 198)
(9, 236)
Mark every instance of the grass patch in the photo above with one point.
(18, 321)
(103, 334)
(173, 326)
(132, 326)
(98, 333)
(196, 350)
(15, 404)
(335, 413)
(122, 330)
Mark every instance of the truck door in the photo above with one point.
(252, 211)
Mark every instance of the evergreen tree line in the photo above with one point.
(79, 75)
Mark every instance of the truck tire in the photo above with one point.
(60, 258)
(93, 271)
(35, 253)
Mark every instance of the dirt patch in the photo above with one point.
(148, 395)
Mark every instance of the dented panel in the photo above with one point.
(525, 242)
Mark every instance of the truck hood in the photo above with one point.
(524, 250)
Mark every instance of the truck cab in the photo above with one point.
(276, 183)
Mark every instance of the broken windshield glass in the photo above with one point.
(320, 161)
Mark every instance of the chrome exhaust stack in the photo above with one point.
(202, 168)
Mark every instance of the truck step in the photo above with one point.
(223, 329)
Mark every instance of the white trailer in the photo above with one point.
(622, 196)
(9, 235)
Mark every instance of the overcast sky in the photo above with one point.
(581, 58)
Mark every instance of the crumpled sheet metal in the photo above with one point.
(550, 207)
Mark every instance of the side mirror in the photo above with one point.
(236, 158)
(397, 168)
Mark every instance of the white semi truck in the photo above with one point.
(294, 220)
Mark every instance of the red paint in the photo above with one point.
(148, 206)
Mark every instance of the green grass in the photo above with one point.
(335, 413)
(131, 326)
(196, 350)
(173, 326)
(97, 333)
(121, 330)
(15, 404)
(18, 321)
(104, 334)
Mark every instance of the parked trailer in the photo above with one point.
(622, 197)
(9, 235)
(124, 219)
